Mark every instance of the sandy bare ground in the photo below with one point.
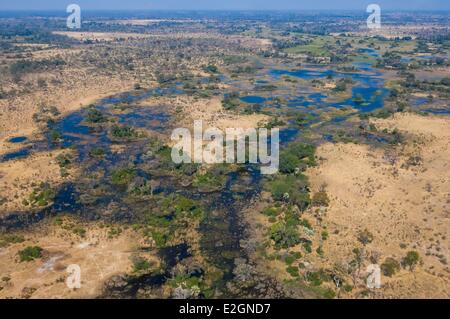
(98, 255)
(210, 111)
(16, 116)
(113, 36)
(151, 21)
(406, 207)
(18, 178)
(102, 36)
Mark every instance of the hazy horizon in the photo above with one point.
(240, 5)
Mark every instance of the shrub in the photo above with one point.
(365, 237)
(96, 152)
(319, 251)
(358, 99)
(271, 212)
(305, 223)
(301, 199)
(55, 136)
(296, 255)
(390, 267)
(274, 122)
(30, 253)
(160, 239)
(289, 260)
(231, 101)
(320, 199)
(80, 231)
(348, 288)
(42, 195)
(211, 69)
(284, 236)
(63, 160)
(140, 265)
(329, 294)
(307, 246)
(179, 204)
(293, 271)
(315, 278)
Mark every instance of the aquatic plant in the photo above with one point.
(96, 152)
(122, 176)
(123, 132)
(95, 116)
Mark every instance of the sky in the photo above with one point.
(224, 4)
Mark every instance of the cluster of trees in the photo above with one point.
(30, 253)
(291, 185)
(231, 101)
(442, 85)
(391, 266)
(22, 67)
(281, 44)
(341, 84)
(297, 157)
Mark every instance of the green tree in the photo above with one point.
(411, 259)
(30, 253)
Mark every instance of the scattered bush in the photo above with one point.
(7, 239)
